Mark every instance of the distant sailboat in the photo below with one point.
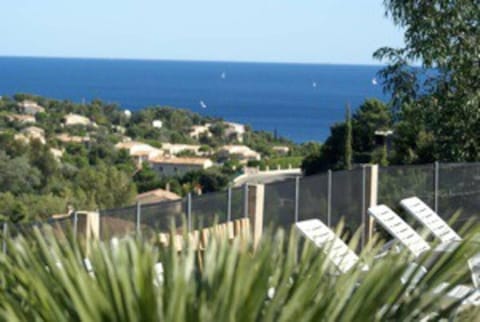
(374, 81)
(223, 75)
(202, 104)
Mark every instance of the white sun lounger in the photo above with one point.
(474, 265)
(399, 229)
(430, 219)
(334, 248)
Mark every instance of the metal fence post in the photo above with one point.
(229, 204)
(189, 212)
(435, 192)
(364, 215)
(138, 217)
(75, 225)
(4, 241)
(245, 200)
(297, 197)
(329, 199)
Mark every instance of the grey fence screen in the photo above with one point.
(459, 191)
(159, 217)
(117, 222)
(279, 204)
(447, 188)
(313, 201)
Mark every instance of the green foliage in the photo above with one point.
(209, 180)
(17, 175)
(444, 104)
(371, 116)
(331, 154)
(282, 280)
(347, 159)
(350, 141)
(147, 179)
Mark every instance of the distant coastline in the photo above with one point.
(269, 96)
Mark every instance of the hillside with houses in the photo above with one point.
(56, 156)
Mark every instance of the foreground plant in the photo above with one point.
(284, 279)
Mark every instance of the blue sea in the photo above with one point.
(299, 101)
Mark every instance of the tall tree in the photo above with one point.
(348, 139)
(442, 98)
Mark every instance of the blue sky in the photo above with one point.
(303, 31)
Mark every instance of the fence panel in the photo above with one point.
(279, 207)
(459, 191)
(208, 209)
(348, 199)
(117, 222)
(399, 182)
(159, 217)
(238, 204)
(313, 201)
(61, 227)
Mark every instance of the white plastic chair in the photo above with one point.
(334, 248)
(399, 229)
(430, 219)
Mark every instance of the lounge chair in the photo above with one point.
(430, 219)
(334, 248)
(399, 229)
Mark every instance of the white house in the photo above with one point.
(76, 119)
(31, 107)
(157, 124)
(21, 118)
(172, 166)
(57, 153)
(235, 130)
(242, 152)
(174, 149)
(140, 152)
(197, 130)
(157, 195)
(281, 149)
(67, 138)
(31, 133)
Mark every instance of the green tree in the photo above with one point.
(348, 140)
(147, 179)
(16, 175)
(443, 35)
(371, 116)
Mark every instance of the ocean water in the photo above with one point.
(299, 101)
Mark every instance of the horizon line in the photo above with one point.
(194, 60)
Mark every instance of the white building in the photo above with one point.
(157, 124)
(198, 130)
(242, 152)
(67, 138)
(172, 166)
(140, 152)
(157, 195)
(31, 133)
(235, 130)
(21, 118)
(31, 107)
(174, 149)
(280, 149)
(57, 153)
(76, 119)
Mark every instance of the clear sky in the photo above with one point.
(321, 31)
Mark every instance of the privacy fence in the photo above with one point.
(446, 187)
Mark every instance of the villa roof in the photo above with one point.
(185, 161)
(156, 195)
